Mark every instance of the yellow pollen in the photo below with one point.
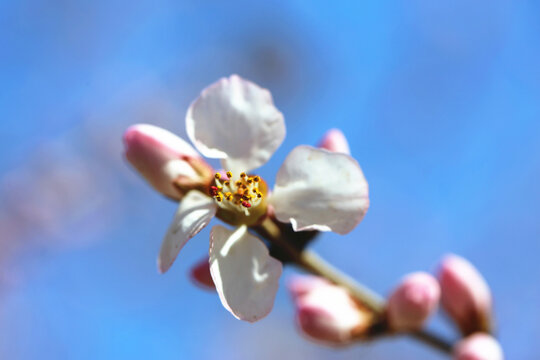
(241, 193)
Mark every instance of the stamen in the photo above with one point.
(240, 194)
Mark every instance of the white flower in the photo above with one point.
(236, 121)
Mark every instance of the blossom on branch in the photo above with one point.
(236, 121)
(465, 295)
(327, 313)
(412, 302)
(478, 346)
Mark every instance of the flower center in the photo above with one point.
(243, 193)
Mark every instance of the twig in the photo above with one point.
(313, 263)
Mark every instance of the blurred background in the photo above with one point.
(440, 101)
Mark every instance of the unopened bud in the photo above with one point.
(200, 274)
(166, 161)
(328, 314)
(478, 346)
(465, 295)
(301, 285)
(335, 141)
(412, 302)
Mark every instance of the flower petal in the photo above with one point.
(194, 213)
(320, 190)
(236, 120)
(245, 275)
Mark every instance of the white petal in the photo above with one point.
(320, 190)
(194, 213)
(236, 120)
(245, 275)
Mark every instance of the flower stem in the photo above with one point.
(313, 263)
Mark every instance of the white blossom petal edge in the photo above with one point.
(245, 275)
(194, 213)
(236, 120)
(320, 190)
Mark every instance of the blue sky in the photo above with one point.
(440, 102)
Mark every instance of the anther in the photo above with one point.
(229, 174)
(214, 190)
(219, 197)
(217, 176)
(246, 204)
(238, 183)
(227, 182)
(257, 178)
(243, 175)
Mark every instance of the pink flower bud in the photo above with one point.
(465, 295)
(328, 314)
(162, 158)
(200, 275)
(413, 301)
(301, 285)
(335, 141)
(478, 346)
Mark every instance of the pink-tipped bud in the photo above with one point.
(465, 295)
(413, 301)
(478, 346)
(335, 141)
(200, 275)
(301, 285)
(163, 158)
(327, 313)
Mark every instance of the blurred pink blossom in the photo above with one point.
(413, 301)
(478, 346)
(327, 313)
(200, 274)
(334, 140)
(465, 295)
